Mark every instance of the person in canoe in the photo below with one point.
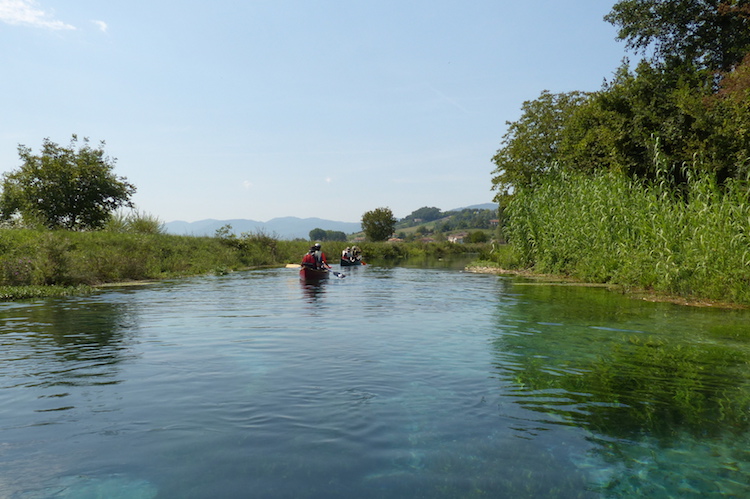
(351, 256)
(315, 258)
(356, 254)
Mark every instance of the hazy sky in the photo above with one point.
(267, 108)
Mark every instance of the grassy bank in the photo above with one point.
(609, 229)
(37, 263)
(44, 263)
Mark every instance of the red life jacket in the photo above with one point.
(309, 261)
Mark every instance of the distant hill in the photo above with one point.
(283, 228)
(485, 206)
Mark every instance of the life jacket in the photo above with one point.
(309, 261)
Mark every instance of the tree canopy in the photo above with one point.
(378, 224)
(318, 234)
(686, 106)
(64, 187)
(712, 34)
(531, 144)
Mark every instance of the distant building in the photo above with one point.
(457, 238)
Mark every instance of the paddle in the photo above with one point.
(297, 265)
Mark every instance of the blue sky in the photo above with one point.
(259, 109)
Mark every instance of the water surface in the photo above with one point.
(391, 382)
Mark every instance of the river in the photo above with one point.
(403, 381)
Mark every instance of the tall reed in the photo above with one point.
(691, 241)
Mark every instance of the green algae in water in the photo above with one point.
(664, 390)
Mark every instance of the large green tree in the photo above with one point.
(531, 144)
(619, 126)
(712, 34)
(378, 224)
(65, 187)
(724, 118)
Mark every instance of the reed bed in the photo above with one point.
(691, 241)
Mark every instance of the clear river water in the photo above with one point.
(405, 381)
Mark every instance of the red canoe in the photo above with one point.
(308, 274)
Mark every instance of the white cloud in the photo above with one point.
(102, 25)
(28, 13)
(247, 184)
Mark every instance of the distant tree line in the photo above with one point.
(318, 234)
(424, 214)
(450, 220)
(466, 219)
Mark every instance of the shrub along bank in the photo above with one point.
(43, 262)
(692, 241)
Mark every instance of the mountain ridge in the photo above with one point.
(280, 227)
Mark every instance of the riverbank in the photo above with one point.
(631, 292)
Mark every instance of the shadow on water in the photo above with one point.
(632, 371)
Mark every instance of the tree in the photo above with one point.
(335, 235)
(317, 234)
(530, 144)
(64, 187)
(378, 224)
(617, 128)
(724, 118)
(713, 34)
(477, 237)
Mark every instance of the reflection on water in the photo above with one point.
(68, 343)
(393, 382)
(313, 291)
(628, 372)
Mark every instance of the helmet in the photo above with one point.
(317, 246)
